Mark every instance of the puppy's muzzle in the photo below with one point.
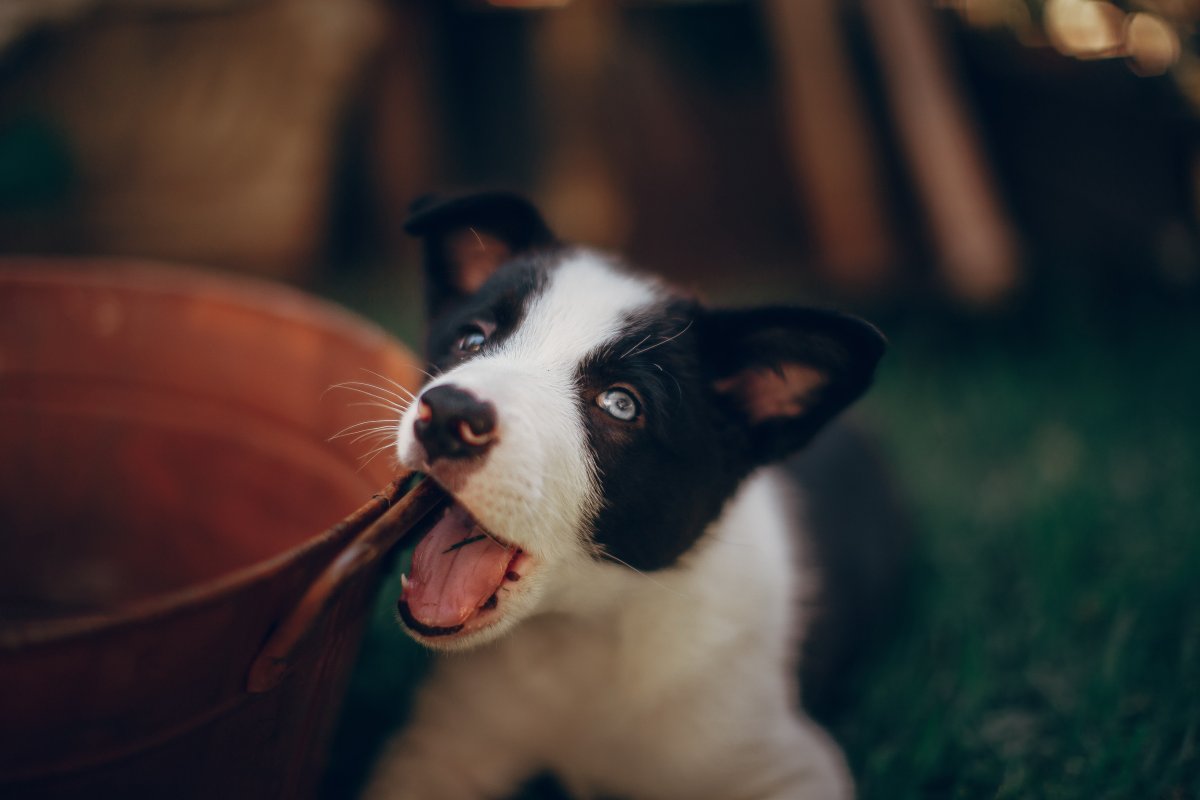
(452, 423)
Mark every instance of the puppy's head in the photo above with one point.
(583, 416)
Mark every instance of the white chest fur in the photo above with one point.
(676, 684)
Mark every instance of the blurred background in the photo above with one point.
(1007, 186)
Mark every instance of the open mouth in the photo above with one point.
(459, 575)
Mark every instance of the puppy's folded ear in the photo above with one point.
(782, 373)
(468, 237)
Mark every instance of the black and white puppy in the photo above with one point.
(622, 570)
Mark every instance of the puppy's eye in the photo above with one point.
(619, 403)
(471, 341)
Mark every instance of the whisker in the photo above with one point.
(371, 455)
(374, 434)
(389, 424)
(636, 346)
(394, 405)
(385, 405)
(377, 448)
(358, 430)
(678, 386)
(345, 386)
(658, 583)
(359, 386)
(396, 400)
(431, 375)
(664, 341)
(353, 425)
(391, 403)
(401, 388)
(478, 238)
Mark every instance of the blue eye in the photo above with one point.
(471, 341)
(618, 403)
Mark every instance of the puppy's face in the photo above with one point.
(568, 421)
(584, 416)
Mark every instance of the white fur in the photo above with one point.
(538, 481)
(673, 686)
(537, 487)
(677, 684)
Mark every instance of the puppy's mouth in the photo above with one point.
(460, 573)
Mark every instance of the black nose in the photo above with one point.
(452, 423)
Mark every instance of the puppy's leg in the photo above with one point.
(452, 751)
(421, 765)
(768, 754)
(809, 766)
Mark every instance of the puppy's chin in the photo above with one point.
(466, 585)
(464, 640)
(487, 626)
(494, 553)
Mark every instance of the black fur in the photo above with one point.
(665, 477)
(844, 348)
(664, 481)
(859, 537)
(500, 305)
(507, 217)
(699, 377)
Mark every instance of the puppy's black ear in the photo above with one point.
(468, 237)
(782, 373)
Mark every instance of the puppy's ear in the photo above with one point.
(782, 373)
(468, 237)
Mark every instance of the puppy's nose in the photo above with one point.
(452, 423)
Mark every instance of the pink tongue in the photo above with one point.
(451, 576)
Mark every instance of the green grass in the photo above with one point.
(1052, 647)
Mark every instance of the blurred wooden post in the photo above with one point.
(578, 187)
(834, 156)
(403, 138)
(971, 231)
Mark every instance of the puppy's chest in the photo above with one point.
(574, 677)
(662, 647)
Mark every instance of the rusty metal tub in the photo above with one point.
(186, 558)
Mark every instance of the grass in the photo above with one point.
(1050, 646)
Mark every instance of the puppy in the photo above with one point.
(620, 580)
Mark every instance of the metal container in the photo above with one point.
(181, 589)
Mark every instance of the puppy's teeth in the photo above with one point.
(403, 582)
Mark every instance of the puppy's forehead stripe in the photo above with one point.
(587, 303)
